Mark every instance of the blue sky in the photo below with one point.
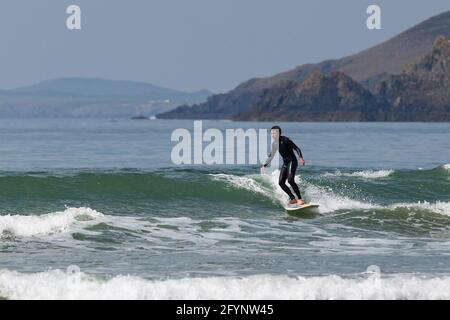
(190, 44)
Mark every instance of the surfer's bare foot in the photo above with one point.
(293, 201)
(300, 202)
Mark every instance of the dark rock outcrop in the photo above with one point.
(320, 97)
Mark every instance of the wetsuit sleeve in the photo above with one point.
(272, 153)
(296, 148)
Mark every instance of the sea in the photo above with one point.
(97, 209)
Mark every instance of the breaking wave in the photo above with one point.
(57, 284)
(56, 222)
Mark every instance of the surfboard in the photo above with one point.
(297, 210)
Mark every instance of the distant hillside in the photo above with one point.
(420, 93)
(109, 88)
(368, 67)
(85, 97)
(388, 57)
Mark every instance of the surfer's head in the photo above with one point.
(276, 132)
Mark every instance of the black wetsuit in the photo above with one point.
(286, 148)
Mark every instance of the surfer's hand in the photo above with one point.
(302, 161)
(262, 169)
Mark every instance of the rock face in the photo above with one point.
(320, 97)
(422, 91)
(368, 67)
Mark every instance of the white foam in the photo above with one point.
(56, 284)
(327, 199)
(371, 174)
(241, 182)
(365, 174)
(446, 166)
(56, 222)
(438, 207)
(330, 202)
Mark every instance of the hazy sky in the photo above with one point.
(189, 44)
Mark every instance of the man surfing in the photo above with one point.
(286, 148)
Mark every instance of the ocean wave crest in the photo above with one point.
(365, 174)
(327, 199)
(57, 284)
(438, 207)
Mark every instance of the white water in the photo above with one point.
(326, 198)
(365, 174)
(438, 207)
(186, 229)
(328, 201)
(241, 182)
(57, 284)
(56, 222)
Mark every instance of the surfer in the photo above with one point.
(286, 148)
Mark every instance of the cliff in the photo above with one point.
(422, 91)
(320, 97)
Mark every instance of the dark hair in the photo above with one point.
(276, 128)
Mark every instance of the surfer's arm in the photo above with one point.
(299, 152)
(297, 149)
(271, 154)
